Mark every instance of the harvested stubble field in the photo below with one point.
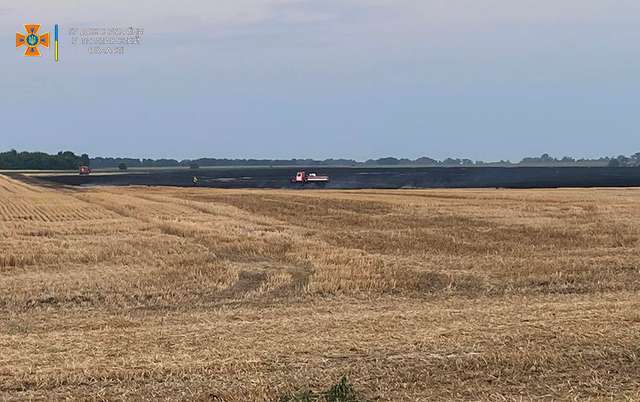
(246, 295)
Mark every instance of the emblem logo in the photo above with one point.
(32, 40)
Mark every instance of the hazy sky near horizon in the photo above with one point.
(483, 79)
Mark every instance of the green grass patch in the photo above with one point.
(343, 391)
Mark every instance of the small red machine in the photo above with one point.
(302, 178)
(85, 170)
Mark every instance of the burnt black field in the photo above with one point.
(369, 178)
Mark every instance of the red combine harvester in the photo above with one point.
(312, 178)
(85, 170)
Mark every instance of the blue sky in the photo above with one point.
(483, 79)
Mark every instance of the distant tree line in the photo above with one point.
(626, 161)
(104, 163)
(542, 160)
(14, 160)
(70, 161)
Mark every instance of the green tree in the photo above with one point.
(39, 161)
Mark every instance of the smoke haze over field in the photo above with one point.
(487, 80)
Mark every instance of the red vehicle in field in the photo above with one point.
(85, 170)
(303, 178)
